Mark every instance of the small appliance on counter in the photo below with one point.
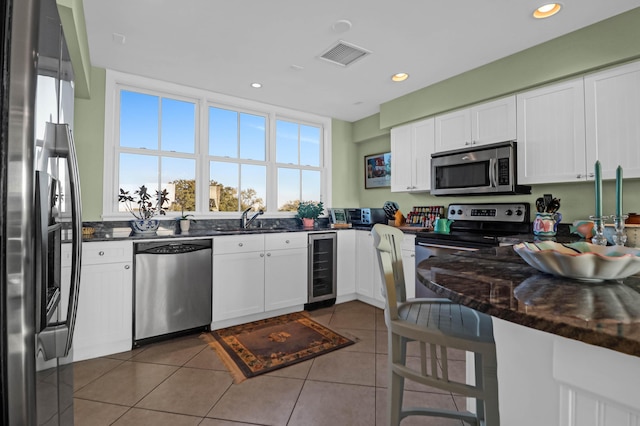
(366, 216)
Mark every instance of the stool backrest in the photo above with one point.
(388, 243)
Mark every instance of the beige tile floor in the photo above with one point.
(182, 382)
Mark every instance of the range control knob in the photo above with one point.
(519, 212)
(509, 212)
(460, 212)
(452, 212)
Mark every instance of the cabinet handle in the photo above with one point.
(261, 254)
(287, 241)
(100, 253)
(240, 244)
(268, 254)
(591, 174)
(127, 267)
(467, 143)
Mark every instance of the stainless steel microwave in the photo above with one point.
(481, 170)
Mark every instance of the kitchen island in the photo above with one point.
(568, 351)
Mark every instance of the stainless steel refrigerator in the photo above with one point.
(39, 211)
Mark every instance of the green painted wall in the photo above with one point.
(89, 138)
(344, 158)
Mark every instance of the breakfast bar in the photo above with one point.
(568, 350)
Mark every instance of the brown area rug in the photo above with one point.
(266, 345)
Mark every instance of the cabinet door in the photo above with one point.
(285, 278)
(401, 158)
(409, 264)
(104, 318)
(494, 121)
(423, 145)
(453, 130)
(346, 273)
(238, 284)
(551, 134)
(368, 275)
(612, 100)
(411, 149)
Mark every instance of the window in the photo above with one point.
(214, 154)
(157, 147)
(298, 159)
(238, 165)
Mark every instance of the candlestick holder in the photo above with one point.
(598, 230)
(620, 237)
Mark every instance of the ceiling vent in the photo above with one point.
(344, 53)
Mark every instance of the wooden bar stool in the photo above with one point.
(436, 324)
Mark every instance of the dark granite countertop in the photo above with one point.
(121, 230)
(498, 282)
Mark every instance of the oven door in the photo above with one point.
(425, 250)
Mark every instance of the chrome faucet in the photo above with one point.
(246, 222)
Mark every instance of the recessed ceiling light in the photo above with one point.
(401, 76)
(547, 10)
(341, 26)
(256, 85)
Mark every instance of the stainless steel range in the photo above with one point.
(473, 226)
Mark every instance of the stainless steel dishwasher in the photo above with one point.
(172, 288)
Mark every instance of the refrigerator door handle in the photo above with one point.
(55, 341)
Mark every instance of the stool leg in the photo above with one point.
(397, 355)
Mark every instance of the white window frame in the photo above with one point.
(116, 80)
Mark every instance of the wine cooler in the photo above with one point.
(322, 269)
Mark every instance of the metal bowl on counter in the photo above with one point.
(581, 261)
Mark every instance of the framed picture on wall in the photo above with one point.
(377, 170)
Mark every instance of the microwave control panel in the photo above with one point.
(503, 171)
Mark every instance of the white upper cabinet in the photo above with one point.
(612, 99)
(551, 134)
(494, 121)
(411, 148)
(453, 130)
(485, 123)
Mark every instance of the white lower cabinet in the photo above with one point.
(409, 264)
(368, 275)
(104, 316)
(566, 382)
(346, 272)
(254, 274)
(285, 271)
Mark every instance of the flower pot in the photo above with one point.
(307, 222)
(144, 226)
(184, 225)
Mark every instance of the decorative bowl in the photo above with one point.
(581, 261)
(144, 226)
(632, 231)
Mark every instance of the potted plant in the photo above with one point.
(309, 211)
(184, 220)
(146, 209)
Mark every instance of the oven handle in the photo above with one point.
(446, 247)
